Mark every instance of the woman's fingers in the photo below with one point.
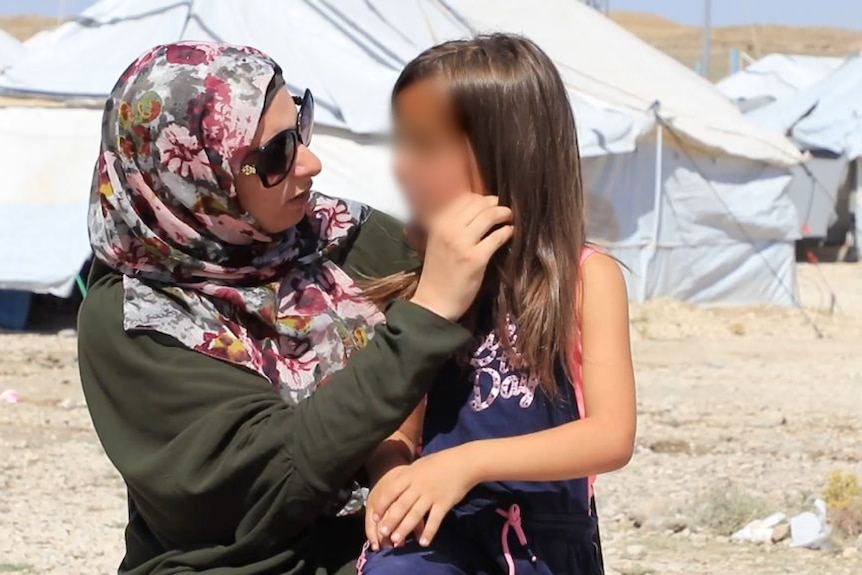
(485, 221)
(411, 520)
(462, 211)
(494, 241)
(432, 525)
(396, 513)
(382, 496)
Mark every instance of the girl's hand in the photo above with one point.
(461, 241)
(424, 491)
(387, 483)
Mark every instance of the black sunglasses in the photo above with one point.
(273, 161)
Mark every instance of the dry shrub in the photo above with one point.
(843, 498)
(728, 508)
(841, 489)
(670, 446)
(737, 329)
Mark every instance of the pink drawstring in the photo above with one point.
(513, 520)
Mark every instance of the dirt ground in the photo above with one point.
(743, 412)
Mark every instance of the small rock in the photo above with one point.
(635, 552)
(781, 532)
(69, 404)
(769, 419)
(673, 524)
(849, 552)
(638, 518)
(68, 332)
(635, 569)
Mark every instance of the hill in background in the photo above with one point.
(22, 27)
(684, 42)
(680, 41)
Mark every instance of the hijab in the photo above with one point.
(196, 267)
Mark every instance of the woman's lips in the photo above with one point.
(302, 196)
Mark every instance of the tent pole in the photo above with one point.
(706, 47)
(652, 248)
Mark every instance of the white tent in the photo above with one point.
(10, 50)
(769, 84)
(775, 77)
(350, 55)
(825, 116)
(826, 119)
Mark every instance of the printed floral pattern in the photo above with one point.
(163, 211)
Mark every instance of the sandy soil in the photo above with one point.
(746, 403)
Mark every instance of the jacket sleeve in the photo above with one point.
(208, 451)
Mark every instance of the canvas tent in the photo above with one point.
(775, 77)
(825, 116)
(826, 119)
(708, 185)
(10, 50)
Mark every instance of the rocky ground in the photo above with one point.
(743, 412)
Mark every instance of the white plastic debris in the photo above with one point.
(9, 396)
(809, 529)
(759, 530)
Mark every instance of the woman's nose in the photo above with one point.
(307, 163)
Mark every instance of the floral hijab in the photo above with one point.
(164, 212)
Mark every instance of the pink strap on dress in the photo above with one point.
(575, 368)
(513, 521)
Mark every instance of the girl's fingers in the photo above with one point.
(417, 533)
(396, 512)
(494, 241)
(411, 520)
(432, 525)
(371, 529)
(485, 222)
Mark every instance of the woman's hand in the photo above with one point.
(461, 241)
(424, 491)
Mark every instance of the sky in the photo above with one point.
(840, 13)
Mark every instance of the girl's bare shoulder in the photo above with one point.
(602, 281)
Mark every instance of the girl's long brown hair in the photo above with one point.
(511, 103)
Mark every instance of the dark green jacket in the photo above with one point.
(223, 477)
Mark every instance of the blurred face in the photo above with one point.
(432, 155)
(282, 206)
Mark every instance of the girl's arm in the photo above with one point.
(400, 448)
(600, 442)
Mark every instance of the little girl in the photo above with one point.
(544, 398)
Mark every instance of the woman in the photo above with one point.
(219, 278)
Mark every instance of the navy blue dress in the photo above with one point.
(513, 527)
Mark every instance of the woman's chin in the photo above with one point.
(288, 217)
